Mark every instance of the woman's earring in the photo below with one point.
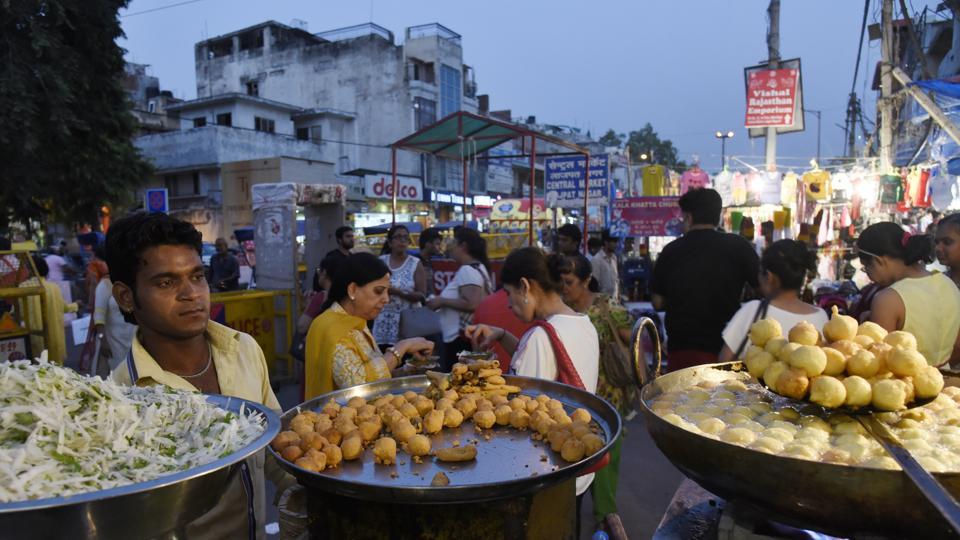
(352, 298)
(526, 300)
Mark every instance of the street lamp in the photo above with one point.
(818, 129)
(723, 147)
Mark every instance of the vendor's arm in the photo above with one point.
(888, 310)
(469, 299)
(416, 346)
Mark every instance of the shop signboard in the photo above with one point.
(565, 181)
(380, 186)
(500, 170)
(647, 216)
(774, 98)
(15, 348)
(157, 200)
(252, 313)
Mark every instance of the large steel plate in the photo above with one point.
(510, 464)
(143, 510)
(833, 498)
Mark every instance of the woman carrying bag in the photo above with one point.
(614, 326)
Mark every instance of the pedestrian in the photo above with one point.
(322, 281)
(568, 239)
(408, 285)
(562, 345)
(581, 292)
(159, 284)
(59, 270)
(431, 245)
(469, 286)
(784, 268)
(948, 245)
(699, 280)
(606, 266)
(344, 236)
(224, 269)
(594, 245)
(341, 351)
(914, 300)
(51, 318)
(112, 330)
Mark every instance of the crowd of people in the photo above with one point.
(553, 314)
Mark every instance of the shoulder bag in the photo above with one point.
(761, 313)
(466, 317)
(615, 357)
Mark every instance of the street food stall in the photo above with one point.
(21, 303)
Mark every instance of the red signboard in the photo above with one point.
(647, 216)
(771, 97)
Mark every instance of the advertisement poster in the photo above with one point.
(646, 216)
(565, 181)
(774, 98)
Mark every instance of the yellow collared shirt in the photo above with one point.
(241, 372)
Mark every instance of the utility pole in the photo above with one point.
(853, 111)
(773, 61)
(886, 87)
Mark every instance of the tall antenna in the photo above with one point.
(371, 11)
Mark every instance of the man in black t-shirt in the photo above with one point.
(699, 280)
(344, 237)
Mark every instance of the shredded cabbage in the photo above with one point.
(62, 433)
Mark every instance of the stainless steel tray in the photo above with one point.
(143, 510)
(510, 464)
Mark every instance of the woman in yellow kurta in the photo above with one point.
(340, 350)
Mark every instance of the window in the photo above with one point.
(425, 112)
(316, 134)
(170, 182)
(199, 121)
(152, 106)
(253, 88)
(196, 182)
(263, 124)
(225, 119)
(450, 91)
(303, 134)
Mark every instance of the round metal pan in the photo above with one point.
(144, 510)
(510, 464)
(832, 498)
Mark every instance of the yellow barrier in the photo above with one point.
(256, 313)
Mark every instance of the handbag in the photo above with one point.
(761, 313)
(567, 374)
(615, 356)
(419, 322)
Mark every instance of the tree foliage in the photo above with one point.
(611, 138)
(646, 141)
(66, 136)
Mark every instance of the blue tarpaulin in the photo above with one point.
(940, 86)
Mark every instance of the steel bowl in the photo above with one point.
(508, 465)
(143, 510)
(837, 499)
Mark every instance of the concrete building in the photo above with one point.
(148, 103)
(338, 97)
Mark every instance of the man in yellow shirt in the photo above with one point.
(160, 285)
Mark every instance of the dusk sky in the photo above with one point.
(594, 65)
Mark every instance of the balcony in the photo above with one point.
(433, 30)
(356, 31)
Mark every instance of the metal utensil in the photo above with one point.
(144, 510)
(842, 500)
(939, 497)
(640, 368)
(510, 464)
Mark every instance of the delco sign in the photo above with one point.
(380, 186)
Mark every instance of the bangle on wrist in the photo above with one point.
(393, 351)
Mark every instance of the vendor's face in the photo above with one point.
(948, 246)
(172, 297)
(368, 300)
(346, 241)
(574, 288)
(524, 310)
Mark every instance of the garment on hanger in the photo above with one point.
(739, 188)
(817, 184)
(694, 178)
(770, 187)
(723, 183)
(788, 189)
(891, 189)
(653, 180)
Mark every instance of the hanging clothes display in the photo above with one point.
(694, 178)
(653, 180)
(788, 189)
(770, 187)
(817, 185)
(723, 183)
(891, 189)
(944, 189)
(739, 189)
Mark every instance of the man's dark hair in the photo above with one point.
(605, 236)
(703, 205)
(571, 231)
(594, 242)
(42, 267)
(429, 235)
(130, 236)
(341, 231)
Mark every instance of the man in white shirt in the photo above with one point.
(606, 267)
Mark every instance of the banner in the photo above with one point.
(774, 98)
(647, 216)
(565, 181)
